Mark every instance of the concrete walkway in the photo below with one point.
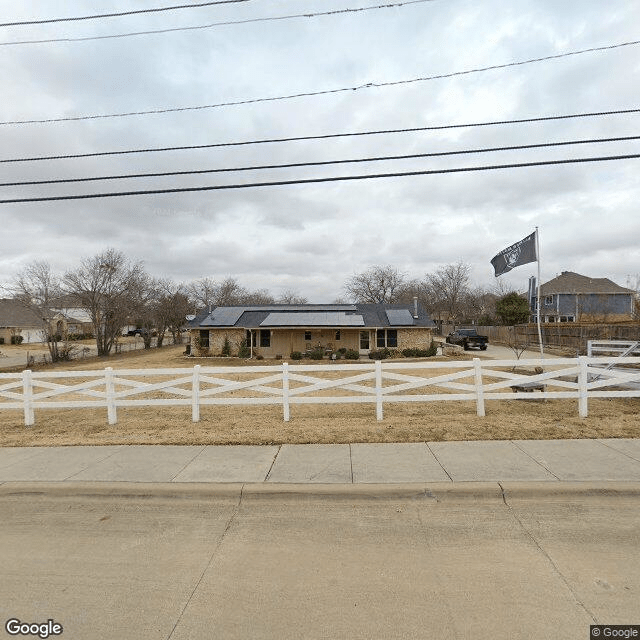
(449, 462)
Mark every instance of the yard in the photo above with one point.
(347, 423)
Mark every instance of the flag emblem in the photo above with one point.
(517, 254)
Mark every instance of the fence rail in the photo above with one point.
(377, 383)
(613, 347)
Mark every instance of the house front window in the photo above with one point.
(548, 299)
(265, 338)
(307, 336)
(337, 334)
(204, 338)
(364, 340)
(387, 338)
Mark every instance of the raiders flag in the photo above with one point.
(519, 253)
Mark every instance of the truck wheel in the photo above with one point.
(466, 346)
(483, 347)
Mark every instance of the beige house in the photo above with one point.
(17, 320)
(279, 330)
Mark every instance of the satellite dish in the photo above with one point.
(190, 318)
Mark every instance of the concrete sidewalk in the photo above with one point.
(449, 462)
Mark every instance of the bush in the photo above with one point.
(351, 354)
(421, 353)
(296, 355)
(381, 354)
(1, 340)
(342, 350)
(316, 354)
(243, 350)
(226, 347)
(17, 339)
(259, 357)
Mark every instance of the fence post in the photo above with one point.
(285, 391)
(583, 381)
(378, 389)
(112, 416)
(477, 366)
(27, 398)
(195, 394)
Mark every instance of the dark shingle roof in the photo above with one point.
(335, 315)
(570, 282)
(14, 314)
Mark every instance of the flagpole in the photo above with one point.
(539, 292)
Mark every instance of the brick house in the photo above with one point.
(281, 329)
(571, 297)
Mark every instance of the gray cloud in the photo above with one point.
(312, 237)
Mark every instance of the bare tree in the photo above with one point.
(37, 289)
(108, 286)
(203, 293)
(448, 287)
(172, 305)
(292, 297)
(376, 284)
(260, 296)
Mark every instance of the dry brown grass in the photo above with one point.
(348, 423)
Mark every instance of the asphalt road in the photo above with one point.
(472, 560)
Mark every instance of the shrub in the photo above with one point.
(433, 349)
(259, 357)
(342, 350)
(421, 353)
(316, 354)
(226, 347)
(296, 355)
(244, 351)
(381, 354)
(17, 339)
(351, 354)
(1, 340)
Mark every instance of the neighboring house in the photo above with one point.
(571, 297)
(17, 320)
(281, 329)
(77, 320)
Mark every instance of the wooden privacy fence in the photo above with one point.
(374, 383)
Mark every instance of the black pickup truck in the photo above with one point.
(468, 338)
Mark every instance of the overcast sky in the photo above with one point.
(311, 237)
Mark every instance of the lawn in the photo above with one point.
(347, 423)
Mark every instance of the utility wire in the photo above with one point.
(252, 185)
(319, 163)
(323, 136)
(368, 85)
(212, 25)
(120, 14)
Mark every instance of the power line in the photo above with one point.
(212, 25)
(325, 136)
(119, 14)
(252, 185)
(307, 94)
(291, 165)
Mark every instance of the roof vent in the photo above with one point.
(415, 307)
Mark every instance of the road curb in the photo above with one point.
(435, 491)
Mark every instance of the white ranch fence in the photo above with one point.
(610, 347)
(375, 383)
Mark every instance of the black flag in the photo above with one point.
(519, 253)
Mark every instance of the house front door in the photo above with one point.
(364, 342)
